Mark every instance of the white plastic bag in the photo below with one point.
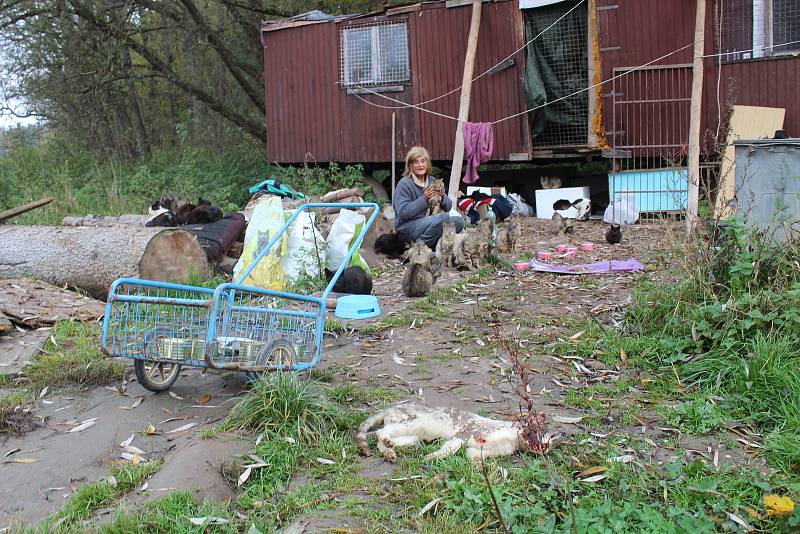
(520, 206)
(622, 210)
(264, 224)
(305, 250)
(344, 231)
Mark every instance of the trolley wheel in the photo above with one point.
(277, 352)
(156, 376)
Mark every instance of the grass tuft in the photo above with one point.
(281, 404)
(72, 356)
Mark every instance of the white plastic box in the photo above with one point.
(546, 197)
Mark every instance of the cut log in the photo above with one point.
(8, 214)
(92, 258)
(105, 221)
(339, 194)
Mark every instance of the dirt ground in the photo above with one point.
(449, 360)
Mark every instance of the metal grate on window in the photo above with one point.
(374, 55)
(751, 29)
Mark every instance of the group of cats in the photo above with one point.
(469, 249)
(169, 212)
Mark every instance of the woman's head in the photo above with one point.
(418, 162)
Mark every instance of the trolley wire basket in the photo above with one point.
(164, 326)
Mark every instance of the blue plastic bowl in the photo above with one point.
(357, 307)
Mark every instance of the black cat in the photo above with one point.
(354, 280)
(391, 246)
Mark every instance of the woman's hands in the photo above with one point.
(430, 192)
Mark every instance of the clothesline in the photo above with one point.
(406, 105)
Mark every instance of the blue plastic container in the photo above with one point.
(357, 307)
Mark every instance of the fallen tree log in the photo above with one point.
(92, 258)
(105, 221)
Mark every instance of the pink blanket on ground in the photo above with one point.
(613, 266)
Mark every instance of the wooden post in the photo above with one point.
(8, 214)
(394, 154)
(463, 107)
(694, 118)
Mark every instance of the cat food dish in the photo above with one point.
(357, 307)
(521, 265)
(562, 248)
(545, 256)
(587, 246)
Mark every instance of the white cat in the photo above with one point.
(406, 425)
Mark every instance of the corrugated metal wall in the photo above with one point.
(311, 117)
(634, 32)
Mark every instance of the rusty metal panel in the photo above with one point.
(632, 32)
(311, 117)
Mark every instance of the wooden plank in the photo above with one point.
(694, 119)
(746, 122)
(466, 92)
(8, 214)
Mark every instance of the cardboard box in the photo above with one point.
(546, 197)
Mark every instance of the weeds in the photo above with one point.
(728, 327)
(15, 413)
(72, 356)
(281, 404)
(91, 497)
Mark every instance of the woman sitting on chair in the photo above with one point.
(411, 202)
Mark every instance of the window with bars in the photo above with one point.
(374, 55)
(751, 29)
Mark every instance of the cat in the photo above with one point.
(204, 213)
(353, 280)
(201, 213)
(508, 236)
(422, 271)
(406, 425)
(160, 216)
(472, 246)
(583, 207)
(391, 246)
(562, 225)
(435, 202)
(444, 247)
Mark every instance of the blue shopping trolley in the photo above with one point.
(164, 326)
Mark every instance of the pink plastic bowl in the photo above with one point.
(572, 250)
(562, 248)
(571, 253)
(587, 246)
(521, 265)
(545, 256)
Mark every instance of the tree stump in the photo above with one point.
(91, 258)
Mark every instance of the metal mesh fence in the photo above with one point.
(750, 29)
(374, 55)
(650, 132)
(560, 56)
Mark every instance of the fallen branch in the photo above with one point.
(13, 212)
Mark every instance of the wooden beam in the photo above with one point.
(694, 118)
(463, 107)
(8, 214)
